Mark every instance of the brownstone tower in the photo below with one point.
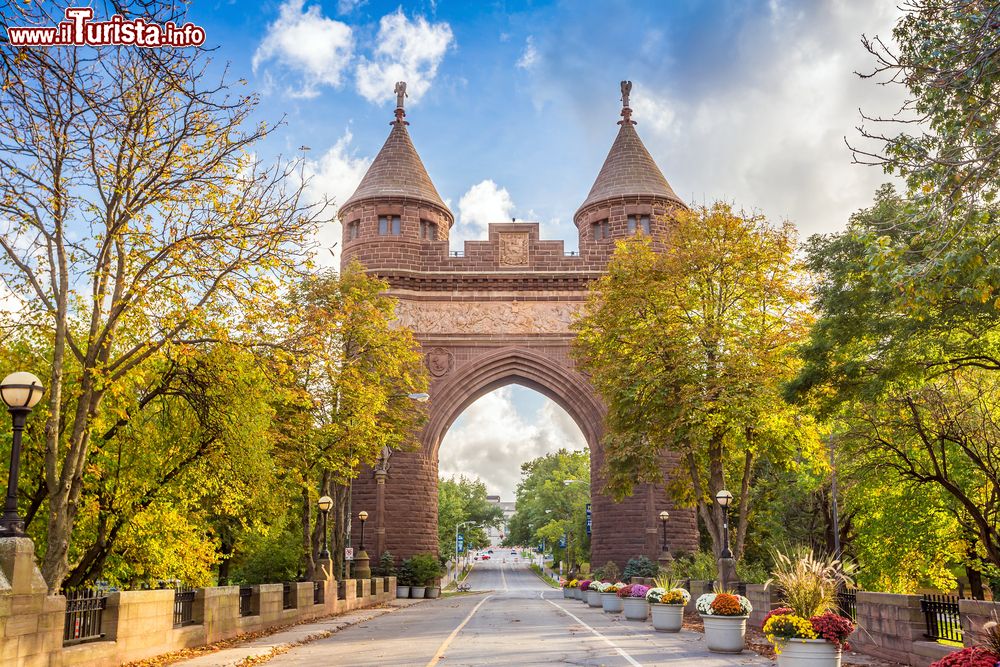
(496, 313)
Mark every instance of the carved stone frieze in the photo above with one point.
(492, 317)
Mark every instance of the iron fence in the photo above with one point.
(287, 596)
(84, 613)
(319, 592)
(246, 601)
(847, 603)
(183, 607)
(942, 617)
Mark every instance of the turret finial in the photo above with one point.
(626, 110)
(400, 91)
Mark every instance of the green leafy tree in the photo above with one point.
(462, 499)
(689, 346)
(551, 502)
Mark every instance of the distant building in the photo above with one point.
(496, 535)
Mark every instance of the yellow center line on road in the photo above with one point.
(607, 641)
(447, 642)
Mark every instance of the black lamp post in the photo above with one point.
(21, 392)
(325, 503)
(664, 515)
(363, 515)
(724, 498)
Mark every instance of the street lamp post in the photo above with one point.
(457, 526)
(361, 566)
(665, 556)
(363, 516)
(727, 564)
(20, 392)
(325, 503)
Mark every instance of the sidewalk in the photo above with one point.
(284, 640)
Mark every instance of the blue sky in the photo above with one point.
(514, 105)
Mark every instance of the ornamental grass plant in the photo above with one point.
(809, 581)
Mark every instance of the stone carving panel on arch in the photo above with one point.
(513, 249)
(488, 317)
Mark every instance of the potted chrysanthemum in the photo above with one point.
(583, 590)
(610, 601)
(634, 603)
(725, 617)
(573, 585)
(807, 631)
(594, 593)
(666, 603)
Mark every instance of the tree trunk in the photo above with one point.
(307, 552)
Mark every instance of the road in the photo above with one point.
(516, 620)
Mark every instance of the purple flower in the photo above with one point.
(639, 591)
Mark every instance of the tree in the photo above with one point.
(905, 353)
(461, 499)
(947, 61)
(548, 508)
(354, 370)
(689, 347)
(137, 219)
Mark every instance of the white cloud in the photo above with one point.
(482, 204)
(317, 47)
(529, 57)
(407, 51)
(334, 176)
(770, 133)
(348, 6)
(495, 435)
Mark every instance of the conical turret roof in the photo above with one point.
(397, 171)
(629, 170)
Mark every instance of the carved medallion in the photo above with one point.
(514, 249)
(439, 361)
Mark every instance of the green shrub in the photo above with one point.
(426, 569)
(609, 571)
(386, 565)
(639, 567)
(700, 565)
(406, 576)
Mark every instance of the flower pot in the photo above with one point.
(611, 602)
(567, 592)
(417, 591)
(582, 596)
(667, 617)
(636, 609)
(402, 591)
(725, 634)
(432, 592)
(594, 598)
(807, 653)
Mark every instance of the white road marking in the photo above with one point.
(447, 642)
(607, 641)
(503, 578)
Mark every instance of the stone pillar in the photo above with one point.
(361, 568)
(32, 620)
(380, 476)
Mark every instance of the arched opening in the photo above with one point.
(480, 467)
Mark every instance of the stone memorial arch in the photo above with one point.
(498, 313)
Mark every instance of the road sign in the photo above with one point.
(588, 518)
(460, 544)
(562, 542)
(349, 553)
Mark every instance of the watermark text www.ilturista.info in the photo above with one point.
(80, 30)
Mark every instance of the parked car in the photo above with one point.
(486, 557)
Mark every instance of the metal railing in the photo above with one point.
(84, 613)
(457, 253)
(287, 596)
(319, 592)
(847, 603)
(942, 618)
(246, 601)
(570, 253)
(183, 607)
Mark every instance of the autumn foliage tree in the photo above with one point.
(689, 345)
(136, 219)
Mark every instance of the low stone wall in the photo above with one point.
(975, 614)
(892, 627)
(763, 600)
(140, 624)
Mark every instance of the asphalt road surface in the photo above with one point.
(512, 619)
